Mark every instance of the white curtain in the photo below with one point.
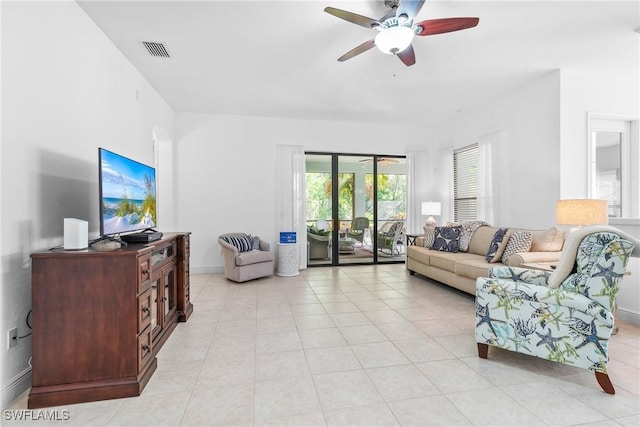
(487, 194)
(291, 196)
(417, 189)
(444, 184)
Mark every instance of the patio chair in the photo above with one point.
(390, 240)
(318, 246)
(358, 227)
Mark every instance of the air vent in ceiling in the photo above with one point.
(156, 49)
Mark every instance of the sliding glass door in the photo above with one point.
(355, 243)
(391, 198)
(319, 182)
(356, 208)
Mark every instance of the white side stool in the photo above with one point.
(287, 259)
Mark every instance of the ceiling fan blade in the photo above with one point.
(409, 8)
(357, 50)
(380, 160)
(352, 17)
(407, 56)
(445, 25)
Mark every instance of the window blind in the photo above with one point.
(465, 183)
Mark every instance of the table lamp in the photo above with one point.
(430, 209)
(579, 212)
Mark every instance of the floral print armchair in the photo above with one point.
(569, 322)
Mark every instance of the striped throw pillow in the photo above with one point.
(243, 244)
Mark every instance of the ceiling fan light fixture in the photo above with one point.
(393, 40)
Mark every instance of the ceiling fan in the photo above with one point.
(396, 29)
(384, 161)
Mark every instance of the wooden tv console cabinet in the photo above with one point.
(100, 318)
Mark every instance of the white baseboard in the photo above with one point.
(16, 386)
(628, 316)
(207, 269)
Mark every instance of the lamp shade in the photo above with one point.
(431, 208)
(579, 212)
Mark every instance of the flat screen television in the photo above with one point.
(127, 194)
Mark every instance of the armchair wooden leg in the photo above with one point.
(605, 383)
(483, 350)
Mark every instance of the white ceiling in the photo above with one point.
(278, 58)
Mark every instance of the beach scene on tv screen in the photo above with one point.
(128, 194)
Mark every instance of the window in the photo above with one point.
(319, 196)
(608, 171)
(613, 151)
(392, 196)
(465, 183)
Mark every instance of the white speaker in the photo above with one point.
(76, 234)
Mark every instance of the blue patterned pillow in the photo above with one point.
(243, 244)
(447, 239)
(497, 245)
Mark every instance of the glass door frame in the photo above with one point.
(335, 216)
(335, 236)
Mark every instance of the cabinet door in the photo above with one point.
(183, 287)
(169, 292)
(186, 272)
(156, 302)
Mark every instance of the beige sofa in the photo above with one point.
(460, 270)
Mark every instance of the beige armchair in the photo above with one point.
(246, 257)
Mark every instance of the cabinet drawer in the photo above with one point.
(145, 352)
(144, 310)
(144, 273)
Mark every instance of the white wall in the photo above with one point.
(527, 167)
(66, 90)
(233, 158)
(545, 157)
(226, 177)
(628, 298)
(583, 92)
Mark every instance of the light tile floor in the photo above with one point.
(358, 345)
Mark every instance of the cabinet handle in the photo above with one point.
(145, 309)
(145, 348)
(164, 299)
(145, 272)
